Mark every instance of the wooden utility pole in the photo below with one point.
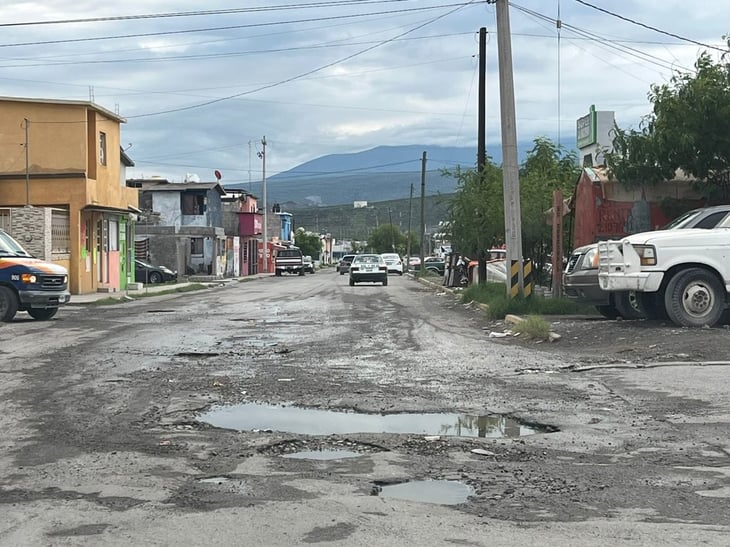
(510, 169)
(266, 208)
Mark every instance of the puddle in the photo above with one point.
(308, 421)
(215, 480)
(441, 492)
(322, 455)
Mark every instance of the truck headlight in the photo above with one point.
(28, 278)
(647, 254)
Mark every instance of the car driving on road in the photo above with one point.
(394, 263)
(368, 268)
(344, 265)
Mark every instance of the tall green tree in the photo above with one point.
(308, 242)
(387, 238)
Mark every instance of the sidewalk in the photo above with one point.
(88, 298)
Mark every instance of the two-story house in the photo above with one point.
(243, 221)
(181, 225)
(63, 157)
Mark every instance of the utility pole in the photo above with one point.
(423, 206)
(408, 242)
(392, 235)
(27, 165)
(510, 169)
(266, 207)
(482, 107)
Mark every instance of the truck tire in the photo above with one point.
(8, 304)
(651, 305)
(626, 305)
(608, 311)
(42, 314)
(301, 271)
(278, 273)
(695, 298)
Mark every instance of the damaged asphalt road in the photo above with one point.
(105, 443)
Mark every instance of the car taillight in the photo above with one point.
(354, 268)
(384, 268)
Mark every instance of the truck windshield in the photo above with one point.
(8, 246)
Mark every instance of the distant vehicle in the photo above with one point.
(144, 272)
(28, 283)
(289, 260)
(434, 264)
(370, 268)
(344, 265)
(308, 264)
(580, 280)
(414, 262)
(394, 262)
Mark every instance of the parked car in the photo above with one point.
(308, 264)
(414, 262)
(144, 272)
(370, 268)
(394, 263)
(580, 279)
(344, 265)
(434, 264)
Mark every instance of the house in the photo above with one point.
(181, 225)
(242, 220)
(62, 176)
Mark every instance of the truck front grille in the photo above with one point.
(53, 282)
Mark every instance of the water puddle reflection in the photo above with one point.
(324, 455)
(309, 421)
(441, 492)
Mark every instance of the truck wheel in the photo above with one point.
(626, 305)
(8, 304)
(278, 273)
(301, 272)
(695, 298)
(42, 314)
(651, 305)
(608, 311)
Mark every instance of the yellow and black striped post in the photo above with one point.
(514, 277)
(514, 288)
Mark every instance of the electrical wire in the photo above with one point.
(309, 72)
(655, 29)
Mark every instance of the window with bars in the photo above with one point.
(60, 232)
(5, 219)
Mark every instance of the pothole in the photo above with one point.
(323, 455)
(307, 421)
(431, 491)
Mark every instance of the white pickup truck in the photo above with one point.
(683, 275)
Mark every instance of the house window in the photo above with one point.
(102, 148)
(192, 204)
(196, 246)
(60, 232)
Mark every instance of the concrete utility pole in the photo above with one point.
(510, 169)
(27, 165)
(266, 207)
(482, 107)
(408, 241)
(423, 206)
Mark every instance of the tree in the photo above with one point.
(688, 129)
(387, 238)
(308, 242)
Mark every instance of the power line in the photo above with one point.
(334, 3)
(660, 31)
(231, 27)
(309, 72)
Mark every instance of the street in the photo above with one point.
(109, 417)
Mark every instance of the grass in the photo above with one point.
(111, 301)
(495, 297)
(533, 327)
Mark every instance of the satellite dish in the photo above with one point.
(217, 174)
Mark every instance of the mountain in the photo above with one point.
(379, 174)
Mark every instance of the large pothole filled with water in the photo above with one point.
(429, 491)
(308, 421)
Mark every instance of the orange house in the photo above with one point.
(66, 155)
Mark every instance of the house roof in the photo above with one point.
(88, 104)
(167, 186)
(126, 160)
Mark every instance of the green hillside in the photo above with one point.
(346, 222)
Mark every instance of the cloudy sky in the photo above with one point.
(200, 83)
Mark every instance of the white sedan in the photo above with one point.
(394, 263)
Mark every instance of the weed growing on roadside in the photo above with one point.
(533, 327)
(495, 297)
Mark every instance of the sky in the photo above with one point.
(202, 83)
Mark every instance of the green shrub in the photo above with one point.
(494, 295)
